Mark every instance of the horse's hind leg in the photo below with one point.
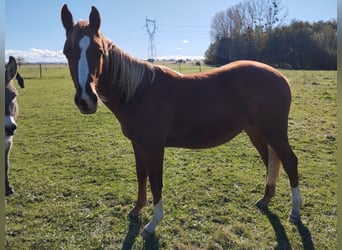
(271, 162)
(273, 168)
(290, 162)
(259, 143)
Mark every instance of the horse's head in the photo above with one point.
(84, 50)
(11, 106)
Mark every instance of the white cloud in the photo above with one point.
(186, 41)
(50, 56)
(37, 55)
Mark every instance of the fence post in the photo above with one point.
(40, 70)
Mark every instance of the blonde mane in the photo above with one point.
(126, 72)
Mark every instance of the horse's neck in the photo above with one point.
(108, 88)
(108, 63)
(122, 75)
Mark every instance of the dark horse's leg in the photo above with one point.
(149, 162)
(8, 188)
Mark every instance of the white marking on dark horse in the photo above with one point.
(83, 68)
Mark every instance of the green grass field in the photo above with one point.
(74, 177)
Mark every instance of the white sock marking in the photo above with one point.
(158, 215)
(296, 202)
(83, 68)
(296, 197)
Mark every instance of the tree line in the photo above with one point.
(254, 30)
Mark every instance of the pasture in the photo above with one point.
(74, 178)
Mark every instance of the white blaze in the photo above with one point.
(83, 68)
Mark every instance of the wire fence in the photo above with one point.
(48, 71)
(41, 71)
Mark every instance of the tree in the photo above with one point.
(242, 29)
(252, 30)
(274, 14)
(256, 15)
(302, 45)
(218, 52)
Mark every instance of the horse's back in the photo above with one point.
(254, 73)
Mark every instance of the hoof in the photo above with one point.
(9, 191)
(294, 219)
(147, 235)
(133, 216)
(261, 205)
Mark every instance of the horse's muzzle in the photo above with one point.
(86, 106)
(10, 125)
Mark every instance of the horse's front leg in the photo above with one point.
(158, 212)
(141, 170)
(154, 159)
(8, 144)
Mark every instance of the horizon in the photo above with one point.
(181, 32)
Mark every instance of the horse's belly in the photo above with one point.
(203, 136)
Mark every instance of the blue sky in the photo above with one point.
(34, 31)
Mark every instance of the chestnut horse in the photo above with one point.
(158, 107)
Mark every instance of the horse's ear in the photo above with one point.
(67, 19)
(11, 68)
(94, 19)
(20, 80)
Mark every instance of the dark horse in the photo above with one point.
(11, 113)
(158, 107)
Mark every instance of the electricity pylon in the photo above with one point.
(151, 30)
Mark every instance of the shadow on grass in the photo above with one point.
(306, 236)
(282, 239)
(135, 224)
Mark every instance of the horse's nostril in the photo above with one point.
(77, 100)
(10, 125)
(10, 130)
(82, 104)
(87, 106)
(95, 99)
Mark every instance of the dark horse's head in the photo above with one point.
(11, 106)
(84, 50)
